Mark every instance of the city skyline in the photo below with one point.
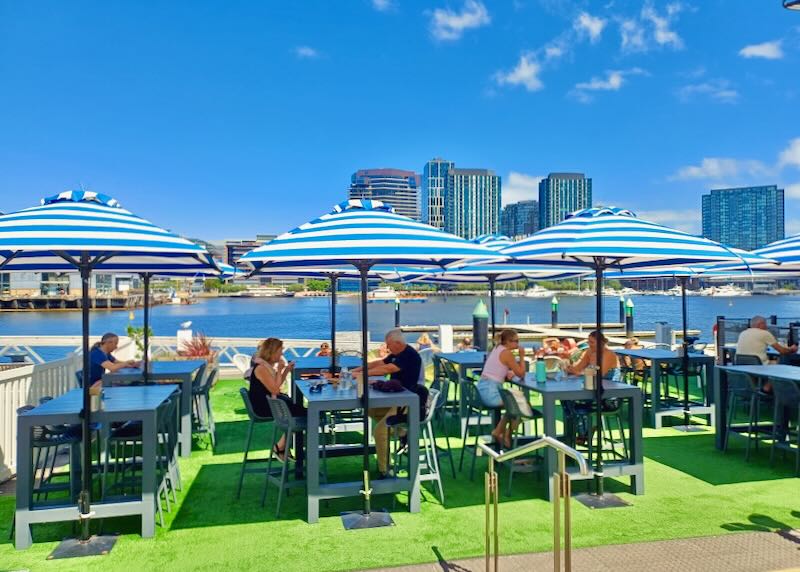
(197, 126)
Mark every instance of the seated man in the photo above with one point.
(754, 341)
(403, 364)
(102, 360)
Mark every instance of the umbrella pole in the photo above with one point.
(333, 323)
(86, 468)
(600, 499)
(365, 518)
(146, 335)
(492, 280)
(85, 544)
(598, 383)
(687, 424)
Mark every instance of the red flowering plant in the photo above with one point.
(200, 346)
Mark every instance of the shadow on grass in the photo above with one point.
(764, 523)
(696, 455)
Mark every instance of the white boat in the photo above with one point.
(383, 293)
(726, 291)
(538, 292)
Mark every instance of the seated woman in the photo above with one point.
(267, 375)
(424, 341)
(610, 371)
(500, 365)
(550, 347)
(634, 365)
(568, 349)
(465, 345)
(324, 350)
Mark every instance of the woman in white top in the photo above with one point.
(501, 365)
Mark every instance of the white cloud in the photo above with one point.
(632, 36)
(525, 73)
(687, 220)
(792, 191)
(520, 187)
(717, 168)
(651, 29)
(791, 155)
(306, 52)
(718, 90)
(613, 81)
(382, 5)
(448, 25)
(592, 25)
(767, 50)
(662, 33)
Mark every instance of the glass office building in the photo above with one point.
(396, 187)
(472, 202)
(434, 185)
(561, 194)
(520, 219)
(744, 217)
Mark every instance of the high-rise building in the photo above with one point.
(472, 202)
(434, 185)
(396, 187)
(561, 194)
(520, 219)
(744, 217)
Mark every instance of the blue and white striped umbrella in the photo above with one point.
(90, 232)
(494, 241)
(361, 230)
(43, 238)
(615, 238)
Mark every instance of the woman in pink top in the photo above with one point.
(501, 365)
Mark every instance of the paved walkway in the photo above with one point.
(738, 552)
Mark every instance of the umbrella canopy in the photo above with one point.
(604, 238)
(90, 232)
(363, 234)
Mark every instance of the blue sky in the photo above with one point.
(222, 120)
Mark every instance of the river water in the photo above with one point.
(309, 317)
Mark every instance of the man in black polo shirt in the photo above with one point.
(404, 365)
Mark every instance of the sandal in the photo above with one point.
(280, 453)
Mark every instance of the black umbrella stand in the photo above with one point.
(599, 498)
(366, 518)
(146, 334)
(492, 280)
(687, 411)
(85, 544)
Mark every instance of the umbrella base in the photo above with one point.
(690, 428)
(358, 519)
(97, 545)
(606, 500)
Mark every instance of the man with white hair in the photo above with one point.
(755, 340)
(402, 365)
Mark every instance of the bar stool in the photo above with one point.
(518, 409)
(428, 466)
(481, 412)
(254, 420)
(285, 423)
(787, 401)
(203, 416)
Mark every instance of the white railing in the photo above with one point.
(168, 345)
(25, 386)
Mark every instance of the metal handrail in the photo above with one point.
(562, 488)
(540, 443)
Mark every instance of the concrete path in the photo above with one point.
(737, 552)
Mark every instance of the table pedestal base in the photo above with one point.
(357, 519)
(606, 500)
(97, 545)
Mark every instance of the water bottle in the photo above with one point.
(541, 371)
(345, 378)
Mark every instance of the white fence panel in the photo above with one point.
(25, 386)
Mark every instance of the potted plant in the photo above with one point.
(199, 347)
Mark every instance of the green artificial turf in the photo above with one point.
(691, 489)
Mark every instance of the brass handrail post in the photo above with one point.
(491, 518)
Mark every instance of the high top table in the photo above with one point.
(758, 373)
(315, 364)
(183, 371)
(658, 357)
(120, 404)
(335, 399)
(572, 389)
